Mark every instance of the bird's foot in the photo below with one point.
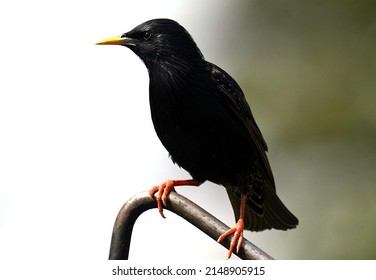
(162, 191)
(166, 187)
(237, 240)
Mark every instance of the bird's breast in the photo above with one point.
(199, 132)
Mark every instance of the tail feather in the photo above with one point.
(274, 215)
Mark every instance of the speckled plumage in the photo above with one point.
(202, 118)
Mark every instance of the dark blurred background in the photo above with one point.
(308, 70)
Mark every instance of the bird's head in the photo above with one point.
(157, 41)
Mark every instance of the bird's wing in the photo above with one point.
(235, 98)
(275, 213)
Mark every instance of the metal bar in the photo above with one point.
(135, 206)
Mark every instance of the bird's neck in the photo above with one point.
(174, 72)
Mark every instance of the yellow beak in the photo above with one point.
(117, 40)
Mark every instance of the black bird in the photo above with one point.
(202, 118)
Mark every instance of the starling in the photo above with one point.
(202, 118)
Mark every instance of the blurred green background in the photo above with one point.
(308, 69)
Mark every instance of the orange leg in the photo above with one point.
(169, 186)
(237, 230)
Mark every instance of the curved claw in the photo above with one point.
(237, 240)
(166, 187)
(237, 230)
(162, 192)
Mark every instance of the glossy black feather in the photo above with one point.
(202, 118)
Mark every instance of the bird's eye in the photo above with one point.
(147, 35)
